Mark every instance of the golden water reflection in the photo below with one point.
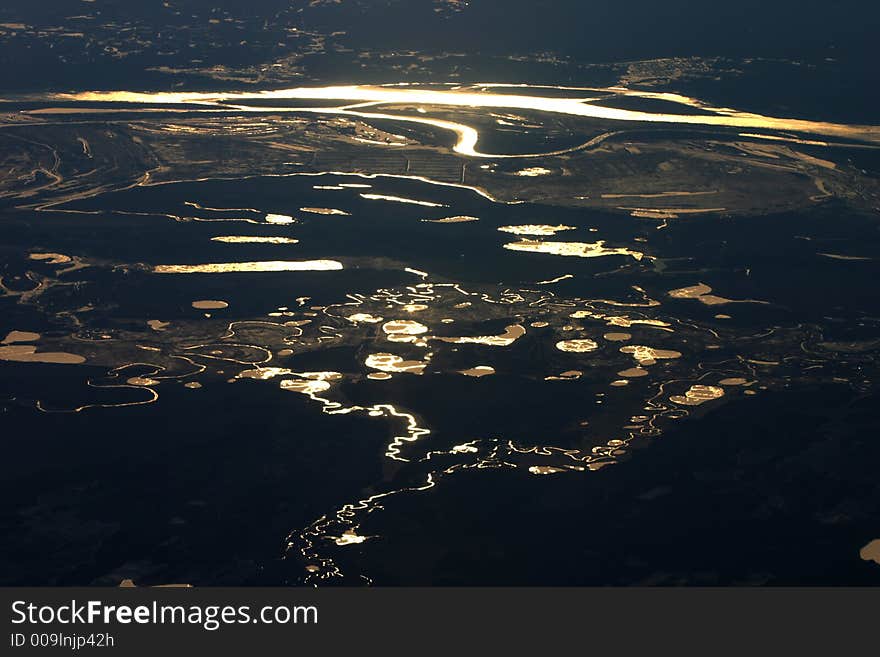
(391, 363)
(28, 354)
(574, 249)
(577, 105)
(577, 346)
(268, 266)
(253, 239)
(540, 230)
(698, 394)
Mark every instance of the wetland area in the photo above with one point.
(321, 293)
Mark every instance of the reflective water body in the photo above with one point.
(596, 332)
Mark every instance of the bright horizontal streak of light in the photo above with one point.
(467, 137)
(401, 199)
(270, 265)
